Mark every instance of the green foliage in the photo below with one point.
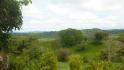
(114, 52)
(81, 47)
(10, 19)
(63, 54)
(121, 37)
(75, 62)
(70, 37)
(10, 14)
(99, 36)
(34, 56)
(48, 61)
(17, 44)
(4, 41)
(101, 65)
(18, 62)
(63, 66)
(25, 2)
(33, 59)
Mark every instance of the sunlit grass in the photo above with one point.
(63, 66)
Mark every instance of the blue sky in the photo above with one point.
(54, 15)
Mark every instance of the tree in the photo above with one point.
(99, 36)
(10, 18)
(70, 37)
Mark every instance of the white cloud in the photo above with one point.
(57, 9)
(32, 11)
(60, 14)
(101, 5)
(81, 15)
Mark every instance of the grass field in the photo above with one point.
(63, 66)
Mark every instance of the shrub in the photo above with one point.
(17, 62)
(63, 54)
(114, 52)
(75, 62)
(98, 65)
(104, 55)
(104, 65)
(48, 61)
(40, 60)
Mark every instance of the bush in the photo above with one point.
(70, 37)
(103, 65)
(75, 62)
(104, 55)
(98, 65)
(40, 60)
(48, 61)
(114, 52)
(63, 54)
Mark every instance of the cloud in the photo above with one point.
(32, 11)
(102, 5)
(47, 15)
(57, 9)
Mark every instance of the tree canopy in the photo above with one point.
(11, 15)
(10, 18)
(99, 36)
(70, 37)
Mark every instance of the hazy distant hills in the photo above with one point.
(115, 30)
(52, 34)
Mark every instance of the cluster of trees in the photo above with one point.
(72, 37)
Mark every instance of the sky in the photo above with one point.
(54, 15)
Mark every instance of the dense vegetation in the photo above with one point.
(32, 51)
(70, 37)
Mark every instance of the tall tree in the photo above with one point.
(10, 18)
(70, 37)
